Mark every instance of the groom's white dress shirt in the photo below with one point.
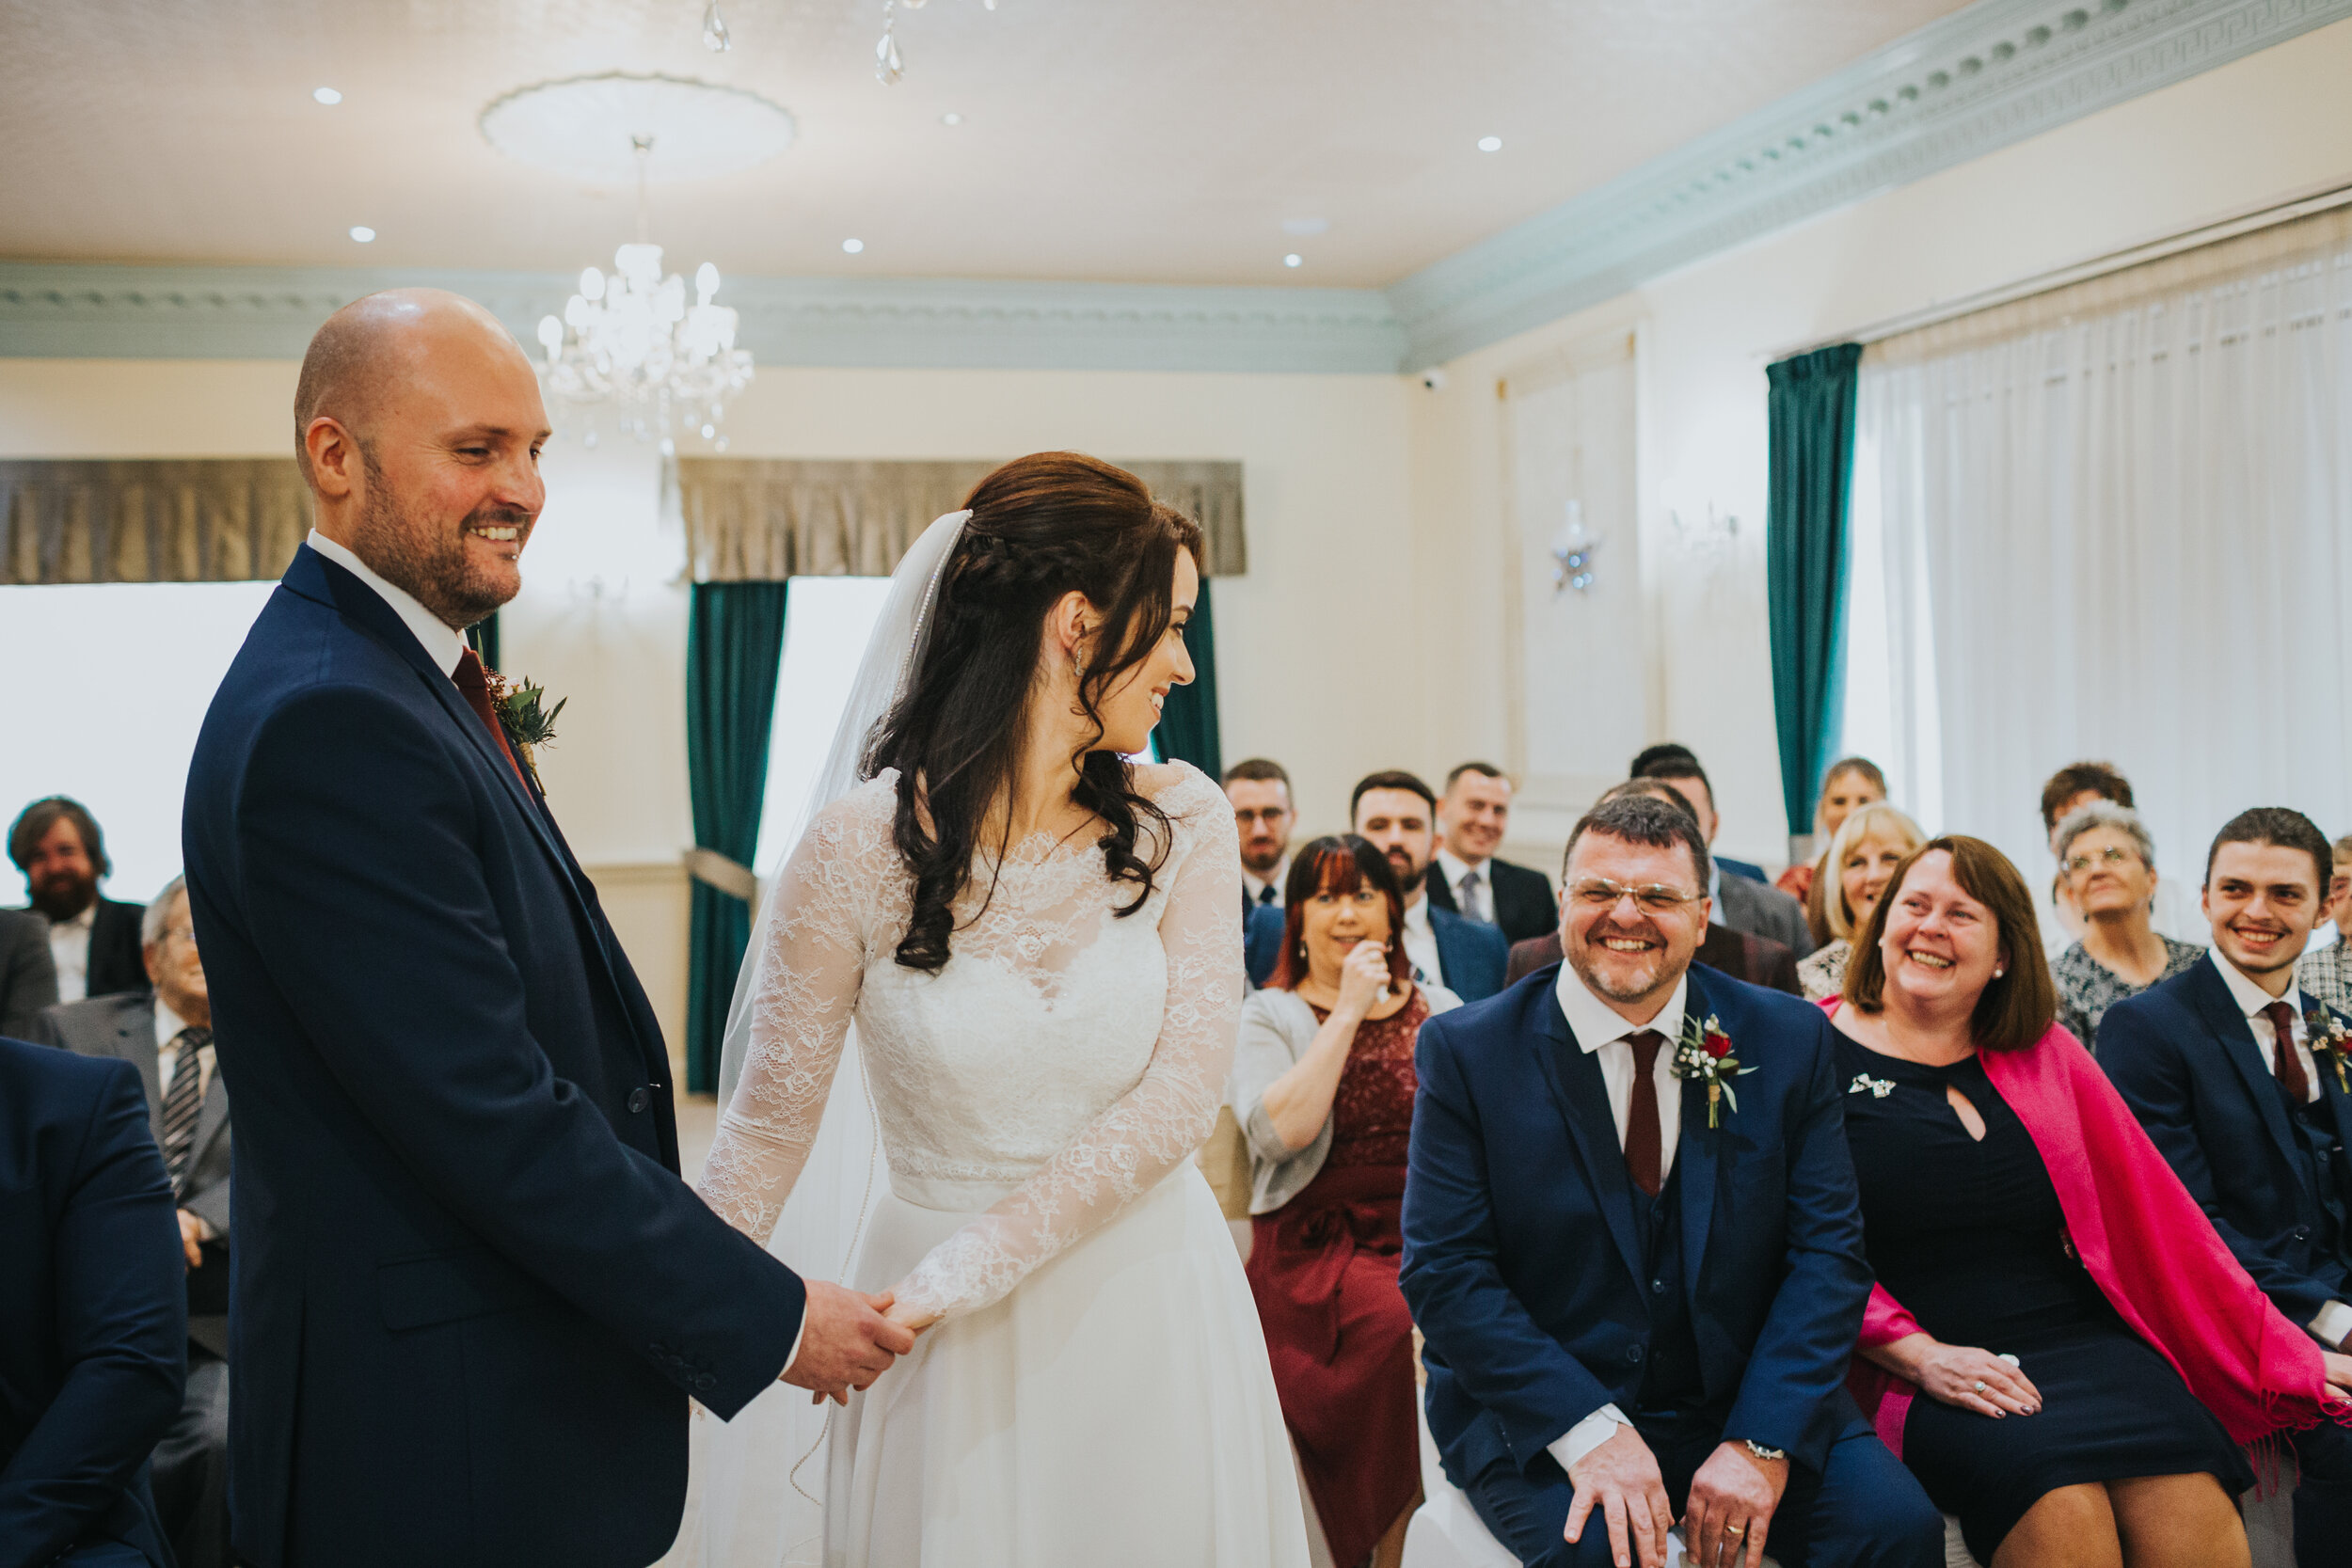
(444, 645)
(1600, 1032)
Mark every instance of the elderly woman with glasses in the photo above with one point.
(1870, 841)
(2107, 872)
(1322, 1086)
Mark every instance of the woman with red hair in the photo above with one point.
(1322, 1086)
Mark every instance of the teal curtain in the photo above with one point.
(482, 638)
(733, 645)
(1812, 409)
(1188, 720)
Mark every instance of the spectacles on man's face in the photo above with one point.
(2114, 854)
(1599, 893)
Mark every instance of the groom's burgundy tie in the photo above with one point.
(476, 691)
(1642, 1138)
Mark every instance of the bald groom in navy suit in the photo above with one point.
(472, 1296)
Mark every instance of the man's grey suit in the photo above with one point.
(28, 977)
(191, 1464)
(1763, 911)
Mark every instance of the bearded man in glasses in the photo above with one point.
(1633, 1245)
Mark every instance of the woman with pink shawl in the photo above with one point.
(2039, 1264)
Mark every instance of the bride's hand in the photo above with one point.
(2338, 1373)
(914, 1318)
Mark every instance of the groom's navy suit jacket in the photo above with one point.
(1522, 1265)
(2183, 1058)
(472, 1296)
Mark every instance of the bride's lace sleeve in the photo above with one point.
(812, 964)
(1156, 1125)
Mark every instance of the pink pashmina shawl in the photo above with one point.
(2149, 1247)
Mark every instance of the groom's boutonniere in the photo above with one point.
(1702, 1054)
(524, 717)
(2329, 1043)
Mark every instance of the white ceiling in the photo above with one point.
(1123, 140)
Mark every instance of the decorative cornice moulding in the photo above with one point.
(1978, 80)
(126, 313)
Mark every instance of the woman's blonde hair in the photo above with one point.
(1876, 820)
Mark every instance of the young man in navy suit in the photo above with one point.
(1398, 813)
(1640, 1291)
(472, 1298)
(2231, 1069)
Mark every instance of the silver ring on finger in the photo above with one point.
(1978, 1387)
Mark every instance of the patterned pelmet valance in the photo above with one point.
(215, 519)
(763, 519)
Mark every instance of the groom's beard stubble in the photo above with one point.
(432, 565)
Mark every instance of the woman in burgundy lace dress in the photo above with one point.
(1323, 1087)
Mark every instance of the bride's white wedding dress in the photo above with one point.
(1097, 1391)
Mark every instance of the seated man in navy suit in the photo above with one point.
(2232, 1069)
(1638, 1267)
(93, 1316)
(1397, 812)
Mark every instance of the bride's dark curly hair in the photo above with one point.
(1041, 527)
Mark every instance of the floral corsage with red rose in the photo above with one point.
(1703, 1056)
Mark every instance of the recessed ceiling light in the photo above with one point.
(361, 232)
(853, 246)
(327, 95)
(951, 117)
(1294, 259)
(1490, 144)
(1305, 228)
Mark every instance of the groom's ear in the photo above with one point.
(334, 454)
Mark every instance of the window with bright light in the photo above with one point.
(121, 675)
(826, 624)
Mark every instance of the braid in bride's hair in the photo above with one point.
(1041, 526)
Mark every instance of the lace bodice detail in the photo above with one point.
(1064, 1057)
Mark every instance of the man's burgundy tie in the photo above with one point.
(2284, 1060)
(475, 688)
(1642, 1138)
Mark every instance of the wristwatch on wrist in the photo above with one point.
(1761, 1451)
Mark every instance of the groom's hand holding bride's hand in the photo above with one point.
(845, 1341)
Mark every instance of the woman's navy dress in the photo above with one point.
(1969, 1239)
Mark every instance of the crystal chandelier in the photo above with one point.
(630, 339)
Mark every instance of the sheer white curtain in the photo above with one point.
(2115, 521)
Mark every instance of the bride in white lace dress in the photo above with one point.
(1042, 955)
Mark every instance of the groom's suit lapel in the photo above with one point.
(1573, 1076)
(1696, 1160)
(315, 577)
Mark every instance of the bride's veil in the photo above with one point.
(763, 1474)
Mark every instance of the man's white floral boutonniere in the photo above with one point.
(1702, 1054)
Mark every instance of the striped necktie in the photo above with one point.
(183, 1103)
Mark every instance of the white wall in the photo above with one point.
(2272, 123)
